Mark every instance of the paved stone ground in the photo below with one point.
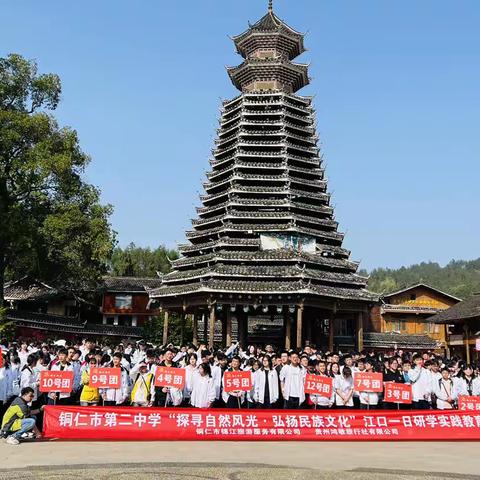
(241, 461)
(212, 472)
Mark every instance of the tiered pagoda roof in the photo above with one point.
(266, 183)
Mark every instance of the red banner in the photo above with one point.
(102, 377)
(56, 381)
(1, 358)
(398, 393)
(237, 381)
(128, 423)
(466, 403)
(368, 382)
(170, 377)
(318, 385)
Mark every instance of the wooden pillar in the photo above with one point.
(467, 343)
(331, 329)
(224, 329)
(299, 326)
(165, 327)
(228, 322)
(288, 330)
(242, 320)
(205, 328)
(195, 329)
(183, 319)
(211, 334)
(360, 331)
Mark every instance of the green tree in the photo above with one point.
(53, 225)
(134, 261)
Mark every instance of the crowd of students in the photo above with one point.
(278, 377)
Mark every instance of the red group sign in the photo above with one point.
(466, 403)
(105, 377)
(170, 377)
(319, 385)
(1, 358)
(368, 382)
(398, 393)
(56, 381)
(166, 424)
(237, 381)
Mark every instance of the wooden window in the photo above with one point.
(123, 301)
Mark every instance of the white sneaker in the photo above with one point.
(12, 440)
(28, 435)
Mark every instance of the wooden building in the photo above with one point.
(265, 249)
(118, 307)
(462, 323)
(406, 312)
(125, 300)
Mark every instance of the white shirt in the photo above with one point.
(345, 385)
(421, 380)
(203, 392)
(259, 381)
(294, 382)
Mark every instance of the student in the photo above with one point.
(392, 373)
(29, 377)
(465, 381)
(19, 420)
(368, 400)
(421, 381)
(343, 386)
(166, 395)
(292, 378)
(265, 384)
(190, 372)
(322, 401)
(203, 391)
(89, 396)
(233, 399)
(444, 391)
(62, 365)
(143, 391)
(116, 396)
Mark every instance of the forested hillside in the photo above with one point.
(460, 277)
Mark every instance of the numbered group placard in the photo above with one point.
(170, 377)
(237, 381)
(318, 385)
(56, 381)
(105, 377)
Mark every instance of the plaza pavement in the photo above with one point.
(240, 460)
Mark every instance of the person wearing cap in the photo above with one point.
(143, 391)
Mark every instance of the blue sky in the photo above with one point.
(397, 94)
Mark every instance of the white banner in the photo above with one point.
(288, 242)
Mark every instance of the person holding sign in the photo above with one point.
(368, 399)
(233, 399)
(90, 396)
(292, 377)
(57, 398)
(203, 387)
(467, 382)
(143, 391)
(116, 396)
(265, 384)
(324, 400)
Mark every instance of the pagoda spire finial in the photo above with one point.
(270, 5)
